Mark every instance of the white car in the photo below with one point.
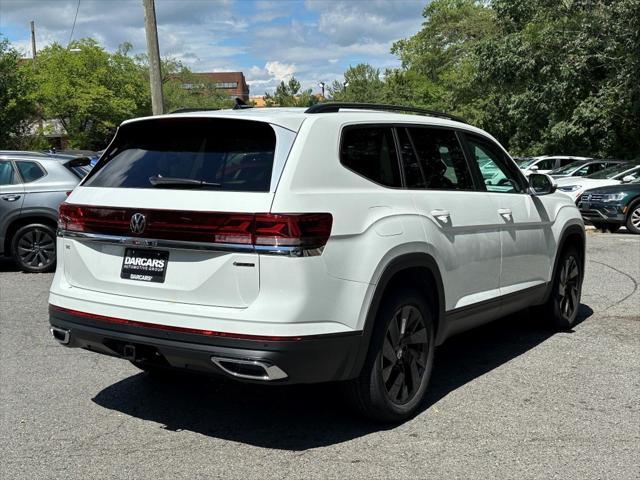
(337, 243)
(620, 173)
(548, 163)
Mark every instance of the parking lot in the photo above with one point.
(509, 400)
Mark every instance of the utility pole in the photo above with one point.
(33, 42)
(155, 76)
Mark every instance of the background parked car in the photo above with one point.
(621, 173)
(547, 163)
(608, 208)
(32, 185)
(582, 169)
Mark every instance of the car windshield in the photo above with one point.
(611, 171)
(568, 169)
(526, 162)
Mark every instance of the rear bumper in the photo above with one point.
(313, 359)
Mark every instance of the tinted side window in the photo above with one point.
(413, 174)
(442, 159)
(566, 161)
(6, 173)
(30, 171)
(548, 164)
(371, 152)
(493, 166)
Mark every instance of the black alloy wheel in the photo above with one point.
(404, 354)
(394, 378)
(569, 288)
(561, 309)
(34, 248)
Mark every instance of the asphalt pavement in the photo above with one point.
(508, 400)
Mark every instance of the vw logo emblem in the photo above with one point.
(138, 223)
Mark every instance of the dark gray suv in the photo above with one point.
(32, 185)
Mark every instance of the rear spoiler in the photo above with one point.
(78, 162)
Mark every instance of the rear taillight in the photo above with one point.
(305, 230)
(310, 230)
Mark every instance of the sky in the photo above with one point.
(314, 40)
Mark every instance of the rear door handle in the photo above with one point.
(442, 215)
(505, 212)
(11, 198)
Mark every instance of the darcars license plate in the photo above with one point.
(144, 265)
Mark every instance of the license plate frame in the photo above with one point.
(144, 265)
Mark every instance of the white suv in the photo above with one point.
(340, 243)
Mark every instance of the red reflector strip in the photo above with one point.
(156, 326)
(304, 230)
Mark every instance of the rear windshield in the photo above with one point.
(611, 171)
(188, 153)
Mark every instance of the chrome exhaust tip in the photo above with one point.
(249, 369)
(60, 335)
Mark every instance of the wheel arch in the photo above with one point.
(407, 268)
(21, 221)
(573, 234)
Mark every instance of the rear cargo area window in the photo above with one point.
(189, 153)
(370, 151)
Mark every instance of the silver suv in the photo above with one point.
(32, 186)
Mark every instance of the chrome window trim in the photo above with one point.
(283, 250)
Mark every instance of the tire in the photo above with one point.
(33, 248)
(563, 304)
(395, 375)
(633, 218)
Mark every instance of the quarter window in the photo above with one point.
(370, 152)
(30, 171)
(492, 164)
(6, 173)
(441, 158)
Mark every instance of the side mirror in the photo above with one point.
(541, 184)
(533, 168)
(628, 178)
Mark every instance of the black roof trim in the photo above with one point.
(189, 110)
(332, 107)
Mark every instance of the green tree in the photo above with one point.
(361, 83)
(439, 62)
(89, 90)
(184, 89)
(564, 77)
(290, 94)
(17, 108)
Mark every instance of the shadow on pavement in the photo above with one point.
(302, 417)
(8, 265)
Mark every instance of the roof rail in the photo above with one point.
(332, 107)
(189, 110)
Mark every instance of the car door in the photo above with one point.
(11, 196)
(524, 224)
(455, 215)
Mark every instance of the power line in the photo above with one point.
(74, 24)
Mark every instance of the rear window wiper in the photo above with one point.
(159, 181)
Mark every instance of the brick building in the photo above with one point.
(232, 83)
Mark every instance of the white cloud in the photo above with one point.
(311, 39)
(279, 70)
